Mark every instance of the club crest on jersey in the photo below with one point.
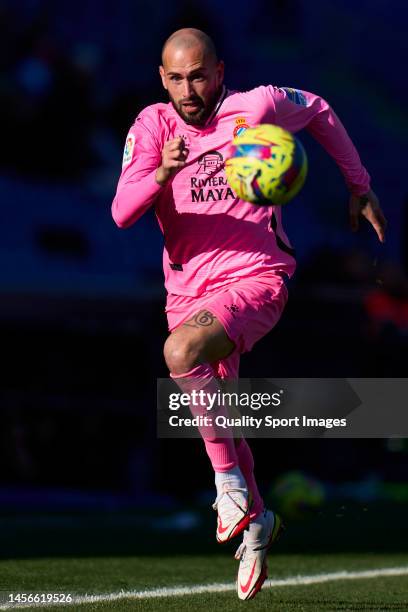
(295, 95)
(240, 126)
(210, 162)
(128, 152)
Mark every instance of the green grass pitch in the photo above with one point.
(106, 553)
(113, 574)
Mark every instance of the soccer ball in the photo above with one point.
(266, 165)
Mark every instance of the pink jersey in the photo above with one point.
(211, 236)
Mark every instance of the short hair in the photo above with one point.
(189, 37)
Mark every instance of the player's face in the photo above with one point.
(193, 81)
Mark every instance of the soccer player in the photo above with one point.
(225, 260)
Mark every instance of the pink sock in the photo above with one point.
(246, 465)
(221, 451)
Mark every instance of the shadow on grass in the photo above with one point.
(372, 528)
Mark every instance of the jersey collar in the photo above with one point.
(217, 107)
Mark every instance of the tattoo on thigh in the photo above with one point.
(202, 319)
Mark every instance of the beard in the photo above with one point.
(204, 109)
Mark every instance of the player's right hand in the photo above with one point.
(174, 157)
(368, 206)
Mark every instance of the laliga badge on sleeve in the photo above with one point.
(128, 152)
(295, 95)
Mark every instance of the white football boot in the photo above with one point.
(233, 505)
(253, 568)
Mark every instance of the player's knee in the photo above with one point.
(181, 353)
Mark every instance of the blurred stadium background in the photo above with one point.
(82, 303)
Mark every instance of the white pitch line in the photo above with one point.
(214, 588)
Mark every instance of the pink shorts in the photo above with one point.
(247, 309)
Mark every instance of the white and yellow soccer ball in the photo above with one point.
(266, 165)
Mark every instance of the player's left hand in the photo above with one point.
(369, 207)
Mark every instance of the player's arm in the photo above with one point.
(145, 170)
(296, 109)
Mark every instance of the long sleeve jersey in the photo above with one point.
(211, 237)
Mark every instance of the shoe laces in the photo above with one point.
(241, 550)
(243, 555)
(249, 544)
(229, 504)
